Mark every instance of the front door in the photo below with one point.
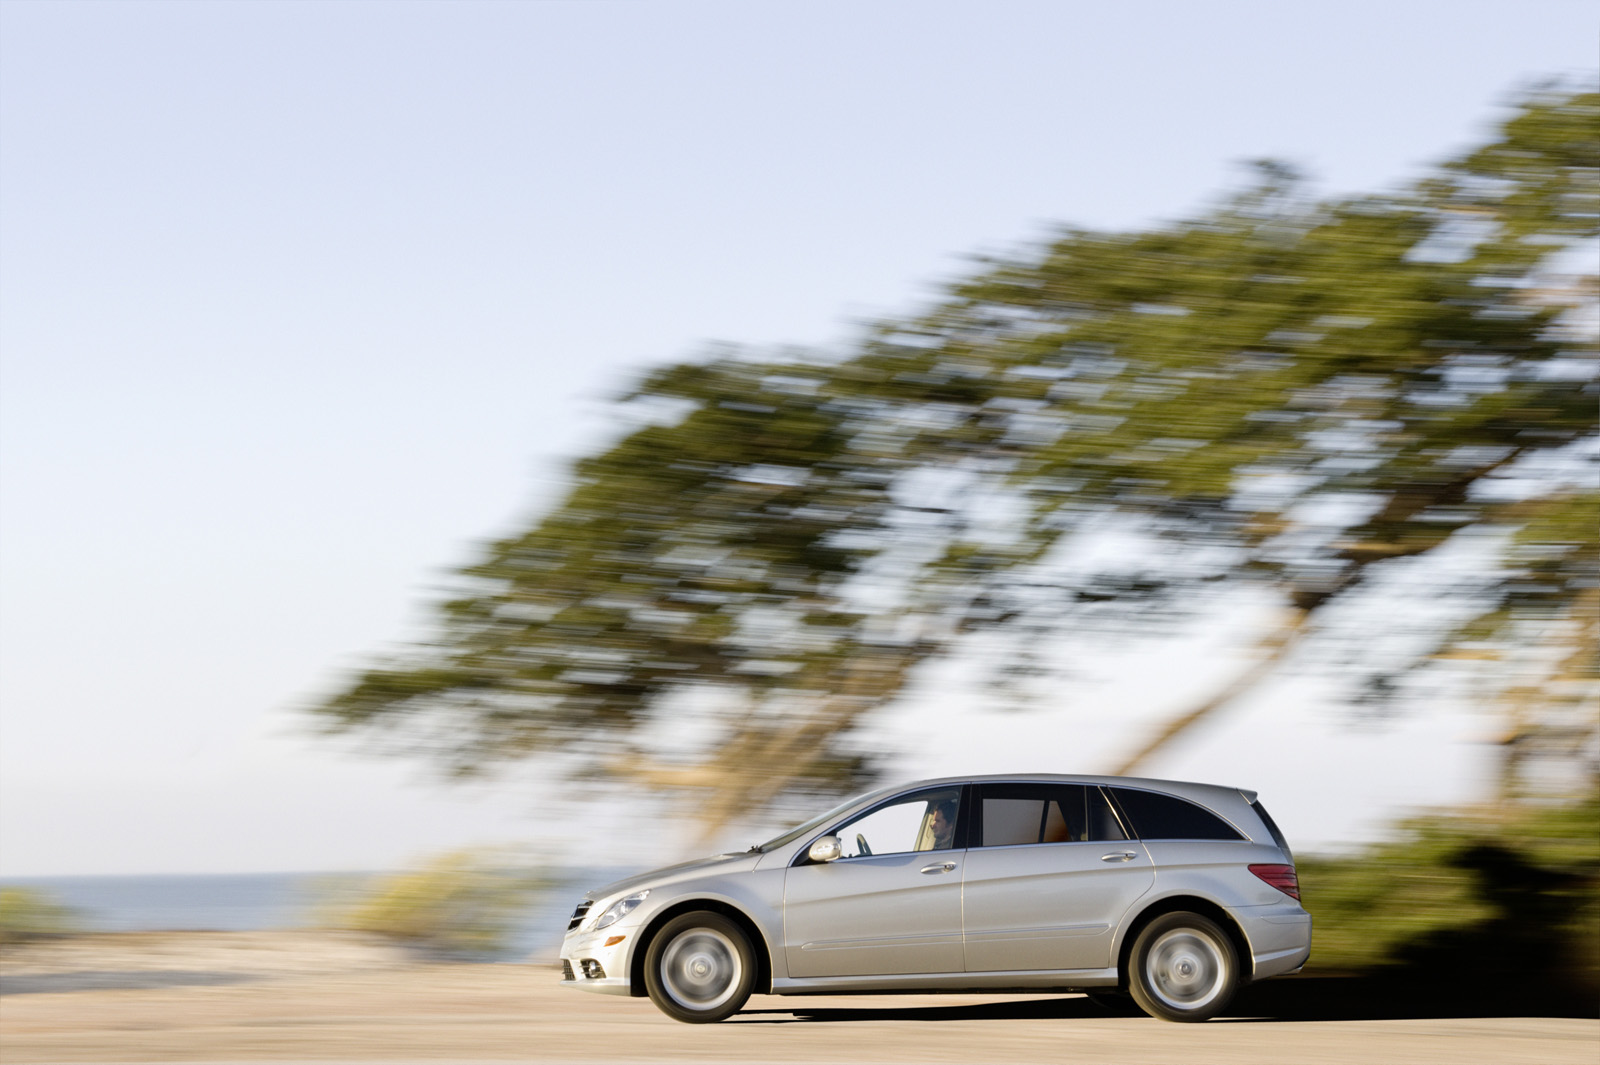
(892, 904)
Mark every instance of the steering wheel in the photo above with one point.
(861, 844)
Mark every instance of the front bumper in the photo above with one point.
(588, 963)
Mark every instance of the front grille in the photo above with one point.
(566, 969)
(592, 969)
(578, 914)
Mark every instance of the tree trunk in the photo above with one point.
(1273, 650)
(1552, 716)
(753, 766)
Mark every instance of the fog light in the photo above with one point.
(592, 969)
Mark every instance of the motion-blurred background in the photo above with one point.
(662, 419)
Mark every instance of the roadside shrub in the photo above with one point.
(463, 904)
(27, 913)
(1507, 895)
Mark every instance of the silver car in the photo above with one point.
(1173, 893)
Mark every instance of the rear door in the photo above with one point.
(1049, 876)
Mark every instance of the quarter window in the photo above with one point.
(1102, 823)
(1157, 816)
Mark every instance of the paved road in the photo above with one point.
(498, 1013)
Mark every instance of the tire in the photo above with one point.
(700, 968)
(1183, 968)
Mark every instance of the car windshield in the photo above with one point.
(821, 819)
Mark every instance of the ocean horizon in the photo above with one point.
(259, 902)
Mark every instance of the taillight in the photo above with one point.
(1281, 877)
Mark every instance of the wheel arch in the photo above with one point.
(1186, 904)
(758, 942)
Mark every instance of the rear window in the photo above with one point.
(1157, 816)
(1272, 827)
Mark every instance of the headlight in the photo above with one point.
(621, 908)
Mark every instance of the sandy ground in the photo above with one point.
(235, 997)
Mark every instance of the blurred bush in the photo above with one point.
(27, 913)
(1509, 897)
(466, 903)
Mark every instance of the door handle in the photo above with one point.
(1119, 856)
(938, 867)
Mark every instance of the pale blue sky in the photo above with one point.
(302, 300)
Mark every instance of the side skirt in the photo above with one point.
(1062, 980)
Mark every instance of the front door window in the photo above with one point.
(925, 821)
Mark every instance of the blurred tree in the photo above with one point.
(1300, 395)
(697, 579)
(1281, 394)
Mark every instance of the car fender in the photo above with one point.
(746, 893)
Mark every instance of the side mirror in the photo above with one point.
(825, 849)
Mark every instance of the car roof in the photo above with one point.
(1177, 787)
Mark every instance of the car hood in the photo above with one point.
(737, 861)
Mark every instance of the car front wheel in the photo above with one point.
(1183, 968)
(700, 968)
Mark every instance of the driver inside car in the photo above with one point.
(941, 830)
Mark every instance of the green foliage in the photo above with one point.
(1278, 392)
(27, 913)
(1514, 896)
(462, 904)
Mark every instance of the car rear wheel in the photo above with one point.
(1183, 968)
(700, 968)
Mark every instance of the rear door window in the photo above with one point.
(1012, 819)
(1158, 816)
(1016, 814)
